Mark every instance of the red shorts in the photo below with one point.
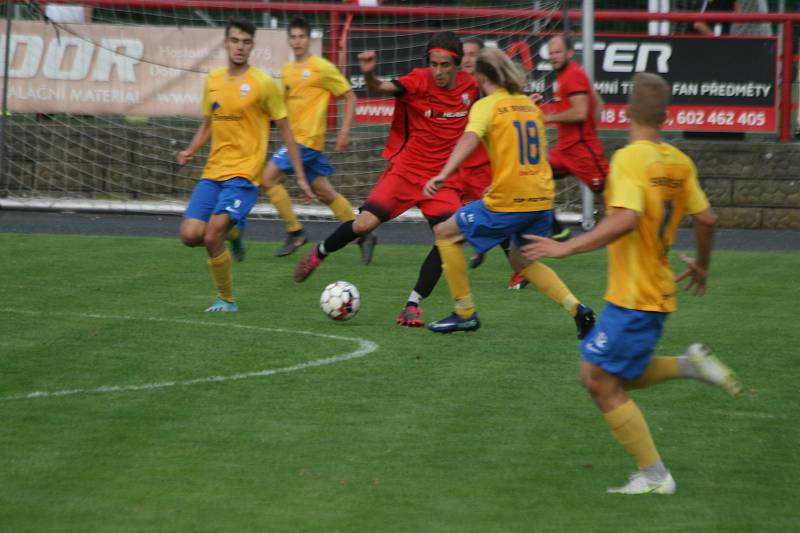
(474, 181)
(585, 161)
(400, 188)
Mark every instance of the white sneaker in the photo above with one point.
(712, 369)
(639, 484)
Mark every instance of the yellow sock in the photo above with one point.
(222, 273)
(630, 429)
(279, 197)
(659, 370)
(233, 233)
(549, 284)
(342, 209)
(455, 272)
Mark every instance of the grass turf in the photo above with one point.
(466, 432)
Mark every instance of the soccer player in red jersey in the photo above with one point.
(578, 150)
(434, 103)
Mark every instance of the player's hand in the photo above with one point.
(542, 247)
(537, 98)
(302, 182)
(342, 141)
(433, 185)
(695, 274)
(367, 61)
(184, 156)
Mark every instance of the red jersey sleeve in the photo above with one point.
(574, 81)
(414, 81)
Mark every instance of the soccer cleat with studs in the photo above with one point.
(307, 265)
(411, 316)
(714, 371)
(517, 282)
(367, 244)
(292, 243)
(222, 306)
(638, 483)
(455, 323)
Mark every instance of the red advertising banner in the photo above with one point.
(700, 118)
(374, 110)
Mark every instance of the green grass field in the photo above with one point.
(481, 432)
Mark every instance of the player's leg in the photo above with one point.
(557, 160)
(698, 363)
(343, 210)
(545, 278)
(235, 200)
(449, 241)
(619, 349)
(198, 212)
(272, 180)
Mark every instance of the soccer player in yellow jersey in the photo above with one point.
(238, 103)
(308, 83)
(519, 199)
(650, 187)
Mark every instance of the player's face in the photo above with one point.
(559, 54)
(443, 67)
(238, 44)
(299, 42)
(471, 51)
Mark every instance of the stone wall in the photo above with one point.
(750, 184)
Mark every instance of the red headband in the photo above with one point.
(444, 51)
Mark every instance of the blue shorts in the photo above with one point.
(485, 229)
(235, 196)
(623, 340)
(314, 162)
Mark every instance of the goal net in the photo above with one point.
(97, 100)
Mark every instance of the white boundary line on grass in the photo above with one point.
(365, 347)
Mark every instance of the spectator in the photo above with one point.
(717, 6)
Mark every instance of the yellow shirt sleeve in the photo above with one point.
(696, 200)
(272, 99)
(480, 117)
(624, 189)
(332, 80)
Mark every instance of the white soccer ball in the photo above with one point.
(340, 300)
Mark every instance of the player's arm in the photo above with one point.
(201, 137)
(697, 268)
(598, 106)
(343, 138)
(368, 61)
(613, 226)
(465, 145)
(578, 110)
(294, 156)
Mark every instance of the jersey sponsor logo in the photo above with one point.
(215, 106)
(244, 90)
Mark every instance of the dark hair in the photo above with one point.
(474, 40)
(242, 24)
(301, 24)
(568, 42)
(446, 40)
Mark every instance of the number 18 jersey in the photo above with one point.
(511, 128)
(659, 182)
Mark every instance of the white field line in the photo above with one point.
(365, 347)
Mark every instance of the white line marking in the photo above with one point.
(365, 347)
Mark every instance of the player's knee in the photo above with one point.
(364, 223)
(191, 239)
(213, 238)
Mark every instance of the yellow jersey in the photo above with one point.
(512, 130)
(308, 87)
(240, 108)
(659, 182)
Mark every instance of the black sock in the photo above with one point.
(557, 227)
(429, 273)
(341, 237)
(506, 246)
(297, 233)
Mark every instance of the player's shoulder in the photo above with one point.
(320, 63)
(217, 72)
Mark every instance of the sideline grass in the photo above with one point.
(481, 432)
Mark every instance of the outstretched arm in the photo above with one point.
(616, 224)
(368, 61)
(465, 145)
